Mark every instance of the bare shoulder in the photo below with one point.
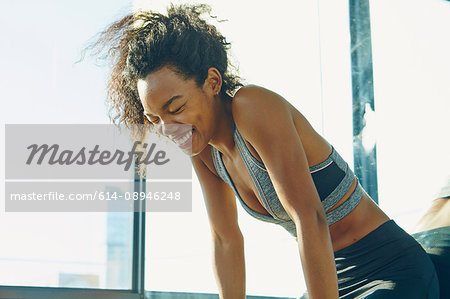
(255, 107)
(259, 99)
(261, 114)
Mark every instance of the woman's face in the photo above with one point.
(179, 108)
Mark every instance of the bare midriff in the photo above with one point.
(363, 219)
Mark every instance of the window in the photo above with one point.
(43, 84)
(411, 75)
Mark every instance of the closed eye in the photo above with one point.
(178, 110)
(172, 112)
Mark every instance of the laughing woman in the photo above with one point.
(249, 143)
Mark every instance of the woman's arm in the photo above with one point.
(266, 122)
(228, 243)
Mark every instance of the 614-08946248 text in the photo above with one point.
(102, 195)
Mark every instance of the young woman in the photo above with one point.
(251, 143)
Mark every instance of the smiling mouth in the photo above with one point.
(184, 138)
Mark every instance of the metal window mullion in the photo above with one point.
(365, 159)
(29, 292)
(138, 264)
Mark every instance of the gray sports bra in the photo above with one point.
(332, 179)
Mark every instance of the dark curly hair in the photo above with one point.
(144, 42)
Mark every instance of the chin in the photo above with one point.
(195, 151)
(192, 153)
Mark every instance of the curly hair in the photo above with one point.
(144, 42)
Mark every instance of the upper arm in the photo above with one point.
(263, 117)
(220, 203)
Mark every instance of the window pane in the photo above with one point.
(90, 250)
(41, 83)
(411, 75)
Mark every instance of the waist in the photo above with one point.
(362, 220)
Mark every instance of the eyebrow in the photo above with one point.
(166, 104)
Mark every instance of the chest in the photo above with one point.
(243, 182)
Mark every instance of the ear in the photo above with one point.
(213, 81)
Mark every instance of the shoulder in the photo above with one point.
(258, 99)
(257, 109)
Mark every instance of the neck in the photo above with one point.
(223, 136)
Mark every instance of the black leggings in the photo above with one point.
(436, 243)
(386, 263)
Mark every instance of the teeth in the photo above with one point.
(183, 139)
